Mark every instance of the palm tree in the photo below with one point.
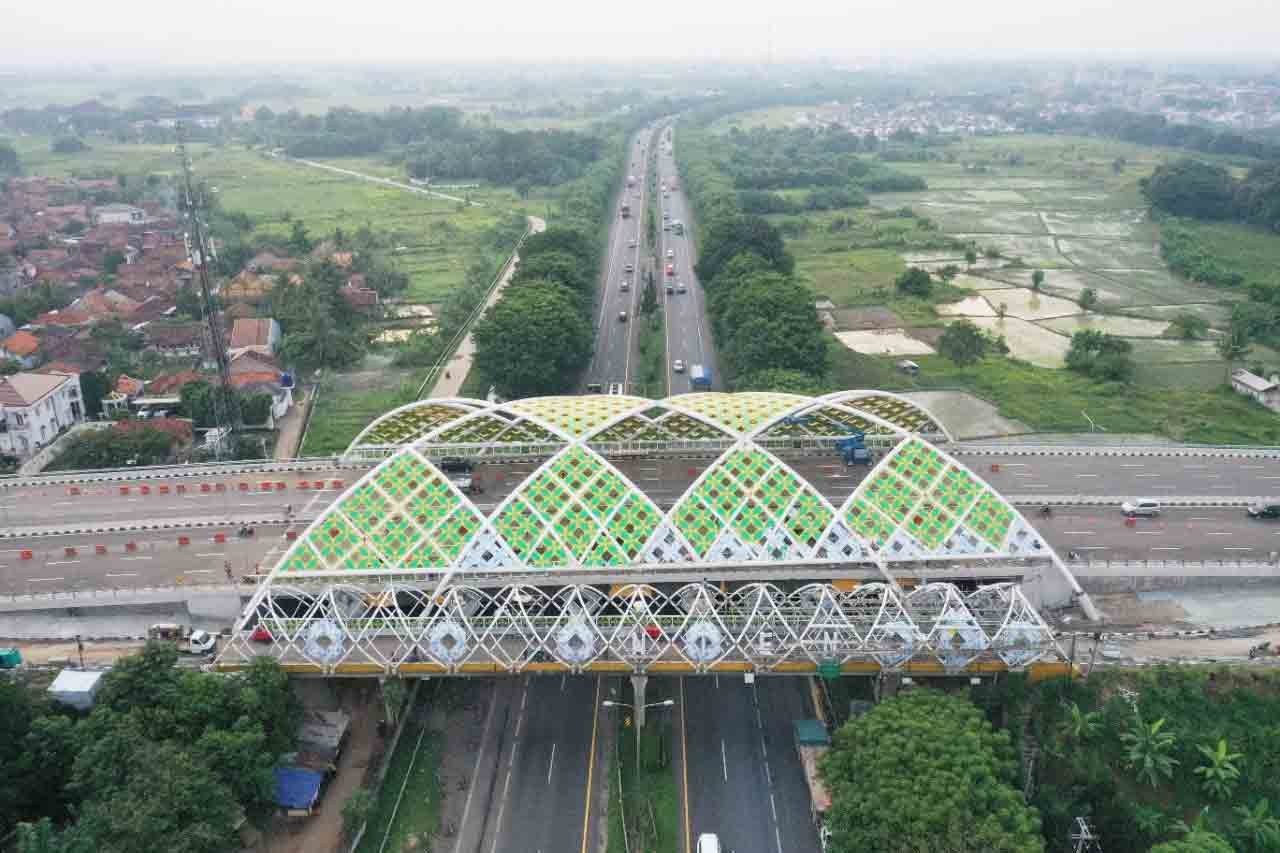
(1258, 827)
(1147, 750)
(1220, 775)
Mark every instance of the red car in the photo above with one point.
(671, 269)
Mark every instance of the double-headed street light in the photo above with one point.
(665, 703)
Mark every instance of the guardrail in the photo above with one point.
(194, 469)
(1203, 501)
(1189, 451)
(1086, 568)
(140, 526)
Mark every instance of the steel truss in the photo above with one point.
(639, 628)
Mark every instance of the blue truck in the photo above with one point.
(699, 376)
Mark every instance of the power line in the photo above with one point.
(226, 408)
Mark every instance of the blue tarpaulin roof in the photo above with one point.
(297, 788)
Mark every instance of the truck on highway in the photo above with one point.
(626, 210)
(678, 227)
(631, 180)
(699, 376)
(813, 742)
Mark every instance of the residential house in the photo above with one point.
(253, 373)
(248, 287)
(22, 347)
(174, 339)
(171, 384)
(109, 214)
(267, 262)
(35, 408)
(260, 335)
(1265, 391)
(360, 298)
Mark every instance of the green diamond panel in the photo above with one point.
(365, 556)
(808, 518)
(930, 525)
(684, 427)
(519, 526)
(778, 487)
(897, 412)
(633, 524)
(527, 432)
(453, 534)
(412, 423)
(956, 490)
(577, 527)
(365, 505)
(605, 493)
(577, 416)
(833, 418)
(698, 523)
(548, 553)
(867, 522)
(917, 463)
(396, 538)
(303, 559)
(546, 494)
(721, 491)
(739, 413)
(990, 518)
(753, 523)
(333, 537)
(431, 503)
(633, 428)
(424, 556)
(575, 468)
(479, 429)
(888, 494)
(604, 553)
(404, 475)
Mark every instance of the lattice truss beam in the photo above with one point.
(638, 627)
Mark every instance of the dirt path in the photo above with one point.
(322, 832)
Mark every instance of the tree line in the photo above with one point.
(1200, 190)
(1154, 129)
(168, 759)
(771, 159)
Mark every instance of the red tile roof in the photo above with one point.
(21, 343)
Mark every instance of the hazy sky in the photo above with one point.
(147, 31)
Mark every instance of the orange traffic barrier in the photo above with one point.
(995, 467)
(692, 472)
(26, 554)
(264, 486)
(280, 487)
(304, 484)
(291, 535)
(74, 490)
(124, 490)
(146, 490)
(184, 540)
(337, 484)
(69, 551)
(206, 488)
(131, 546)
(99, 549)
(164, 490)
(182, 488)
(219, 538)
(244, 487)
(220, 487)
(1130, 521)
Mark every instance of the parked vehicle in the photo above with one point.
(1149, 507)
(195, 642)
(677, 366)
(670, 289)
(708, 842)
(1264, 511)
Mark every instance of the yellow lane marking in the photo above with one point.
(591, 764)
(684, 772)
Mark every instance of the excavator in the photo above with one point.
(852, 448)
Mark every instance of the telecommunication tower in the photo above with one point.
(1084, 838)
(226, 408)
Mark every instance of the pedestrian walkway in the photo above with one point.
(449, 383)
(289, 428)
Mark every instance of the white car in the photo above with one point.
(680, 288)
(631, 244)
(625, 286)
(708, 842)
(677, 366)
(671, 253)
(1141, 506)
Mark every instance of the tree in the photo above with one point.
(1037, 279)
(299, 243)
(1258, 828)
(1234, 343)
(783, 380)
(970, 256)
(109, 448)
(926, 771)
(556, 265)
(1193, 188)
(1100, 355)
(768, 321)
(321, 342)
(534, 341)
(1147, 750)
(1196, 842)
(1088, 299)
(725, 238)
(963, 343)
(356, 810)
(9, 163)
(69, 145)
(914, 282)
(93, 388)
(1189, 327)
(111, 261)
(1219, 775)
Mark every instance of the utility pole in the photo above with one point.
(226, 407)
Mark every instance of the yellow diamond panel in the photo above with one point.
(901, 413)
(739, 413)
(578, 416)
(404, 427)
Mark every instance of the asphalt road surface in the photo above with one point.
(688, 330)
(530, 792)
(616, 345)
(744, 780)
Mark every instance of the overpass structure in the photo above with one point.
(577, 568)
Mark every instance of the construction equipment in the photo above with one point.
(853, 448)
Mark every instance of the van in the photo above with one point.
(1264, 511)
(908, 367)
(708, 842)
(1141, 506)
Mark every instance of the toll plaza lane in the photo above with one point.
(688, 328)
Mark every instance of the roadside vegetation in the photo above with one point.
(168, 759)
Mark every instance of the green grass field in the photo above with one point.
(413, 767)
(1251, 251)
(341, 413)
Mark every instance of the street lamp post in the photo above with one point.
(639, 714)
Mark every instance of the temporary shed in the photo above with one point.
(76, 688)
(297, 788)
(323, 731)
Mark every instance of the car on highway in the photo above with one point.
(629, 268)
(680, 288)
(670, 290)
(615, 389)
(671, 269)
(671, 253)
(665, 215)
(708, 842)
(631, 244)
(1264, 510)
(625, 286)
(1141, 506)
(677, 366)
(622, 316)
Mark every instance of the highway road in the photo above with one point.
(537, 753)
(742, 777)
(613, 360)
(688, 327)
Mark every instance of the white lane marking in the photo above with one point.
(1014, 464)
(1217, 533)
(1091, 548)
(773, 807)
(1200, 518)
(213, 554)
(1164, 548)
(1132, 465)
(1212, 476)
(55, 503)
(134, 558)
(1079, 532)
(1086, 475)
(37, 580)
(1037, 485)
(1147, 476)
(63, 562)
(1149, 532)
(724, 761)
(1191, 467)
(1271, 478)
(552, 764)
(1237, 548)
(1251, 467)
(198, 571)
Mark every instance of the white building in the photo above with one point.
(35, 408)
(109, 214)
(1265, 391)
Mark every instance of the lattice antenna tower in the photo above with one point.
(1084, 838)
(226, 408)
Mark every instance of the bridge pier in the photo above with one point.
(638, 685)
